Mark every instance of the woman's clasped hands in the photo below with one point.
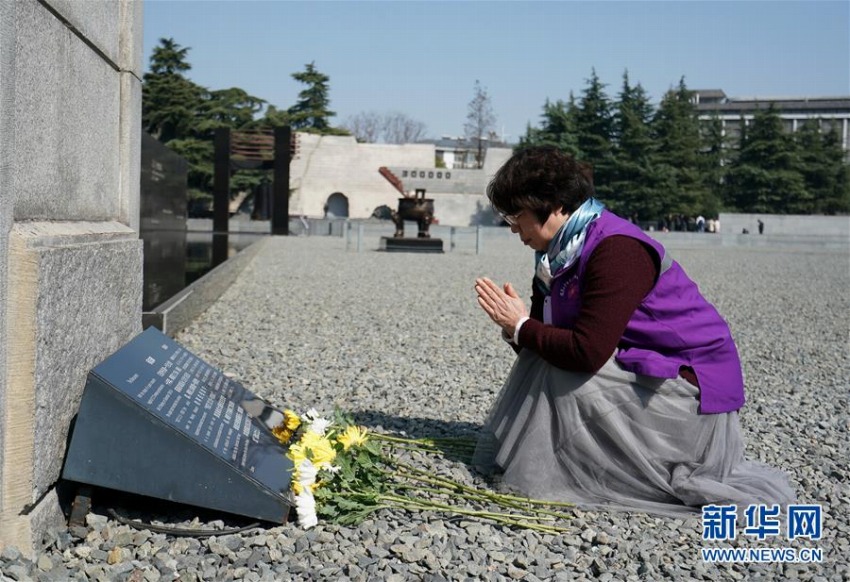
(502, 304)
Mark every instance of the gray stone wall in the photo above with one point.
(70, 256)
(787, 224)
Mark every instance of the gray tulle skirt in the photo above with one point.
(618, 440)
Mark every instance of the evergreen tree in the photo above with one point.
(677, 133)
(714, 160)
(169, 100)
(233, 108)
(767, 175)
(823, 168)
(272, 117)
(839, 202)
(311, 114)
(557, 128)
(170, 106)
(184, 116)
(633, 179)
(595, 129)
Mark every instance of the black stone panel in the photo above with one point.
(157, 420)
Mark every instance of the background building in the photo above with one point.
(459, 152)
(833, 113)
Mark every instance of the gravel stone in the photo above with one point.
(398, 341)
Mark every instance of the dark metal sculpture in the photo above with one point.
(418, 209)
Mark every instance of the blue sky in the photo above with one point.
(423, 58)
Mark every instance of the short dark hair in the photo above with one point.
(540, 179)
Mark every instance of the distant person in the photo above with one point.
(712, 228)
(627, 382)
(761, 226)
(700, 223)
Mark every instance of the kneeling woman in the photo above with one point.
(627, 382)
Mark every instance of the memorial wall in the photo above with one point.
(70, 254)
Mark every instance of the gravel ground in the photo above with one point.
(399, 341)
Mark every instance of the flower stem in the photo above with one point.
(542, 514)
(455, 445)
(408, 503)
(472, 493)
(495, 496)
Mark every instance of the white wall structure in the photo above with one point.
(328, 168)
(459, 194)
(327, 165)
(70, 254)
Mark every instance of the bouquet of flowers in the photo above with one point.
(342, 473)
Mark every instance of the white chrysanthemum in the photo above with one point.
(307, 473)
(310, 415)
(320, 425)
(305, 507)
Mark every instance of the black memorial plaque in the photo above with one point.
(157, 420)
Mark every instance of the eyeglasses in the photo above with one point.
(511, 219)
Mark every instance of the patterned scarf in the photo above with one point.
(567, 243)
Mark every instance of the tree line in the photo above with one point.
(649, 162)
(652, 162)
(184, 115)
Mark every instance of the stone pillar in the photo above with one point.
(70, 254)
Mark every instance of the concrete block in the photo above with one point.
(26, 531)
(130, 151)
(66, 106)
(786, 224)
(75, 295)
(96, 20)
(131, 41)
(7, 153)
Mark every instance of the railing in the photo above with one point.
(365, 235)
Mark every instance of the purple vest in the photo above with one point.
(673, 326)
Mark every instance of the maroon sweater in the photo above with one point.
(619, 274)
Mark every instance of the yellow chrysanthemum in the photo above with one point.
(321, 450)
(353, 436)
(291, 420)
(282, 433)
(297, 452)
